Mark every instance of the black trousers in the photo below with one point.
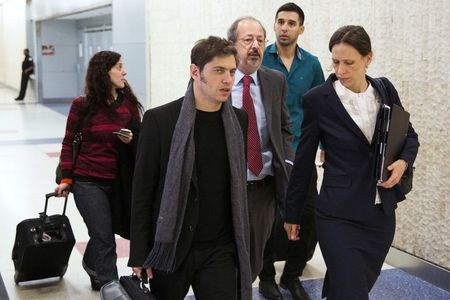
(23, 85)
(296, 253)
(212, 272)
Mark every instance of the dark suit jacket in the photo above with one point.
(121, 202)
(150, 170)
(273, 94)
(349, 184)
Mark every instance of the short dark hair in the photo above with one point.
(290, 6)
(205, 50)
(232, 34)
(353, 35)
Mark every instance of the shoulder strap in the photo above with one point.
(81, 116)
(382, 91)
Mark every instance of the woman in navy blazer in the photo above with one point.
(355, 215)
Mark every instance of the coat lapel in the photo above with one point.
(376, 83)
(266, 96)
(333, 100)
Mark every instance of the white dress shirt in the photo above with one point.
(255, 92)
(363, 109)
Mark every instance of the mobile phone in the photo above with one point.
(123, 132)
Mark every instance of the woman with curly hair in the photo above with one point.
(97, 177)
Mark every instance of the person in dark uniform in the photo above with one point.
(27, 70)
(355, 214)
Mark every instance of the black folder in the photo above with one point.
(392, 130)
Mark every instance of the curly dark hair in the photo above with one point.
(98, 85)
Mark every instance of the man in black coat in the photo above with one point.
(27, 70)
(189, 218)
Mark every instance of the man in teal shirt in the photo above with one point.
(303, 72)
(301, 68)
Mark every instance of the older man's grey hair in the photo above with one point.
(232, 34)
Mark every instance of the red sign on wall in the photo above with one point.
(48, 50)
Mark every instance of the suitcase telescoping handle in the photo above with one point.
(54, 194)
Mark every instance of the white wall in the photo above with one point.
(410, 42)
(129, 39)
(48, 9)
(12, 41)
(176, 25)
(2, 71)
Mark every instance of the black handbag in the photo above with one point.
(76, 144)
(137, 289)
(113, 290)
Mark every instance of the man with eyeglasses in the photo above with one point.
(303, 72)
(261, 93)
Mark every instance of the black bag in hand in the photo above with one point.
(137, 289)
(113, 290)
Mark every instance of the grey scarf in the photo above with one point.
(177, 184)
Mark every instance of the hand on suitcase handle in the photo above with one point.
(55, 194)
(62, 190)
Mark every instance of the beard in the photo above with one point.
(286, 43)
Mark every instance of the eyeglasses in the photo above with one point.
(247, 41)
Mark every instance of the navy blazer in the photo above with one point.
(349, 184)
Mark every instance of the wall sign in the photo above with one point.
(48, 50)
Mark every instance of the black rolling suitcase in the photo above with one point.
(43, 245)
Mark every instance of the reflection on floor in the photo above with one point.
(3, 293)
(30, 141)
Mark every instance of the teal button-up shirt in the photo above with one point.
(305, 73)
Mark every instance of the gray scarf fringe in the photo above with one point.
(176, 191)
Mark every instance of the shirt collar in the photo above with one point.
(341, 89)
(239, 75)
(273, 50)
(299, 52)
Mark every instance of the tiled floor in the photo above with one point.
(30, 137)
